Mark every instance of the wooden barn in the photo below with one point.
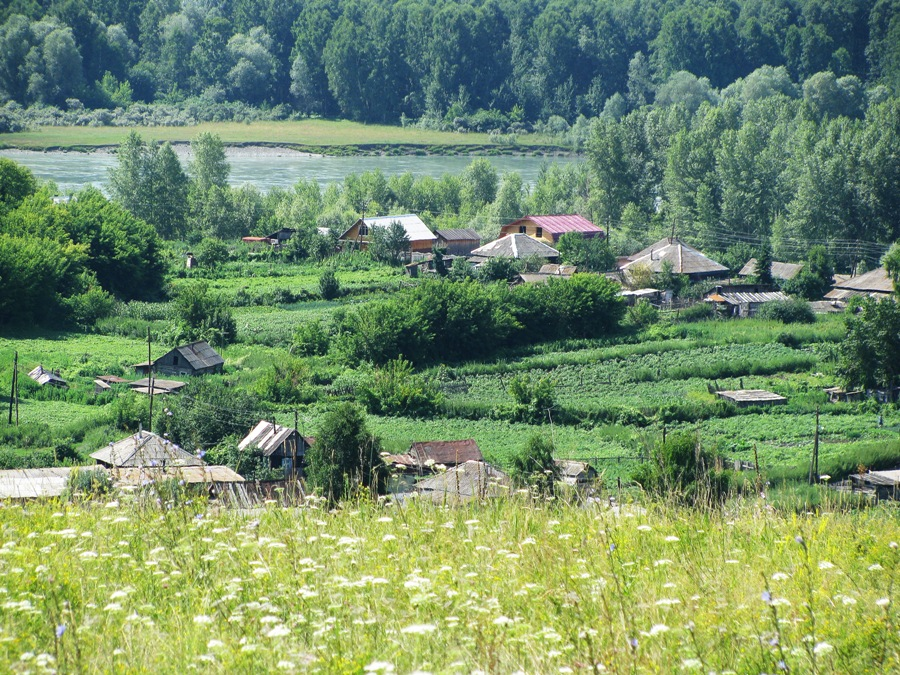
(359, 234)
(196, 358)
(48, 378)
(780, 270)
(550, 228)
(284, 447)
(458, 241)
(743, 301)
(145, 449)
(874, 284)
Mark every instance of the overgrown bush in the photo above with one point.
(329, 286)
(680, 469)
(311, 338)
(788, 311)
(88, 483)
(396, 390)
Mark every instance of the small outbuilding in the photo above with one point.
(48, 378)
(885, 484)
(461, 241)
(874, 284)
(284, 447)
(575, 473)
(743, 301)
(550, 228)
(465, 483)
(744, 398)
(160, 387)
(34, 483)
(196, 358)
(145, 449)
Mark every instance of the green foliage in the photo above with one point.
(871, 352)
(204, 315)
(680, 469)
(88, 483)
(533, 399)
(311, 338)
(788, 311)
(816, 277)
(251, 465)
(211, 252)
(287, 381)
(641, 314)
(891, 263)
(589, 255)
(396, 390)
(533, 466)
(498, 269)
(329, 286)
(16, 183)
(345, 457)
(389, 244)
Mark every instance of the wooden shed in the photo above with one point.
(196, 358)
(780, 270)
(145, 449)
(744, 398)
(465, 483)
(874, 284)
(284, 447)
(48, 378)
(575, 473)
(743, 301)
(458, 241)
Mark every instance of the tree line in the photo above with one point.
(479, 63)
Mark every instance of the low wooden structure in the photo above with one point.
(48, 378)
(195, 358)
(360, 233)
(34, 483)
(885, 484)
(575, 473)
(134, 477)
(873, 284)
(284, 447)
(684, 259)
(459, 241)
(467, 482)
(160, 387)
(780, 270)
(743, 301)
(426, 458)
(841, 395)
(652, 295)
(744, 398)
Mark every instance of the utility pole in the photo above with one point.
(150, 379)
(12, 390)
(814, 463)
(296, 441)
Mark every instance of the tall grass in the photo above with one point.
(502, 587)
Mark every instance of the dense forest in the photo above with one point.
(485, 64)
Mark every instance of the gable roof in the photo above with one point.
(561, 224)
(145, 449)
(416, 230)
(472, 480)
(780, 270)
(516, 246)
(685, 259)
(200, 355)
(268, 437)
(746, 297)
(875, 281)
(459, 234)
(447, 452)
(42, 377)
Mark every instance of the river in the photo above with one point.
(269, 167)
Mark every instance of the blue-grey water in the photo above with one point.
(268, 168)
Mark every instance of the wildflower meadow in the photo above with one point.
(511, 586)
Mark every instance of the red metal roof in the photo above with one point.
(561, 224)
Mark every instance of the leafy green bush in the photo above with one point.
(396, 390)
(311, 338)
(329, 286)
(788, 311)
(697, 312)
(641, 314)
(88, 483)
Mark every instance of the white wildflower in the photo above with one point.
(883, 602)
(823, 648)
(691, 664)
(780, 576)
(379, 667)
(672, 537)
(419, 629)
(279, 631)
(658, 628)
(875, 568)
(502, 621)
(202, 619)
(825, 565)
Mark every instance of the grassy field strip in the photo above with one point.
(498, 589)
(306, 133)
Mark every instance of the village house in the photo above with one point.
(516, 246)
(780, 270)
(196, 358)
(550, 228)
(576, 474)
(145, 449)
(49, 378)
(421, 239)
(684, 259)
(284, 447)
(874, 284)
(457, 241)
(743, 301)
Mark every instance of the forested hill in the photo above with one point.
(493, 63)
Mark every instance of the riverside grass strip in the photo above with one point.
(321, 136)
(514, 585)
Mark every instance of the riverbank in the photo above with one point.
(309, 137)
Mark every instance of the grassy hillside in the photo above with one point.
(506, 587)
(325, 136)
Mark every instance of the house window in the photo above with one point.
(521, 229)
(539, 232)
(175, 360)
(363, 230)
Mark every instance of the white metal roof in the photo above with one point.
(415, 228)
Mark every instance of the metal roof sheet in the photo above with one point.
(516, 246)
(158, 384)
(200, 355)
(137, 476)
(560, 270)
(472, 480)
(267, 436)
(447, 452)
(34, 483)
(42, 377)
(560, 224)
(415, 228)
(751, 396)
(458, 234)
(780, 270)
(740, 298)
(875, 281)
(145, 449)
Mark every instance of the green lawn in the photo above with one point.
(305, 134)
